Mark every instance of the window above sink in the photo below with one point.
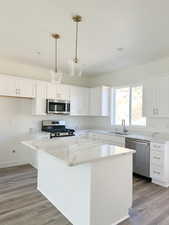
(126, 104)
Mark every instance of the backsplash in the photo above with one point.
(153, 124)
(17, 121)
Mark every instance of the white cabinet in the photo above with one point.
(99, 101)
(51, 91)
(7, 86)
(159, 163)
(63, 92)
(39, 103)
(79, 97)
(58, 91)
(16, 86)
(26, 87)
(155, 98)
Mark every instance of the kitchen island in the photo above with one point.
(88, 181)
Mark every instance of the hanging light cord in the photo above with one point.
(77, 29)
(76, 19)
(56, 55)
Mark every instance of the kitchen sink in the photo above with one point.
(119, 133)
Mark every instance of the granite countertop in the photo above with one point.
(159, 138)
(77, 150)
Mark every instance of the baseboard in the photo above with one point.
(10, 164)
(121, 220)
(163, 184)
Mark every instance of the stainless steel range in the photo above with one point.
(56, 128)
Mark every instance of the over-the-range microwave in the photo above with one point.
(57, 106)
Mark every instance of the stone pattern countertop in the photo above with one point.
(77, 150)
(159, 137)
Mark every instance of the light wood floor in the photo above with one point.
(22, 204)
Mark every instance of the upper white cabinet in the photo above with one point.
(39, 102)
(58, 91)
(63, 91)
(84, 101)
(155, 98)
(26, 87)
(99, 101)
(7, 86)
(79, 97)
(16, 86)
(51, 91)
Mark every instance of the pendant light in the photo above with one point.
(56, 76)
(75, 67)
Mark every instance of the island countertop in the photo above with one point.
(77, 150)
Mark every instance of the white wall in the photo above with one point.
(15, 122)
(134, 75)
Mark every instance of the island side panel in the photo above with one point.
(67, 188)
(111, 190)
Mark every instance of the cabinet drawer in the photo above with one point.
(157, 173)
(157, 158)
(157, 147)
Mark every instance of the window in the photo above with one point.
(127, 104)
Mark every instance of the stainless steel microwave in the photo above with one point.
(57, 106)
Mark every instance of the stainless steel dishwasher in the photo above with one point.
(141, 159)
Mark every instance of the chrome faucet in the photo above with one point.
(124, 126)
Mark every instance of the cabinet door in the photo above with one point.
(26, 88)
(99, 101)
(41, 89)
(155, 98)
(7, 85)
(39, 103)
(150, 108)
(79, 97)
(63, 92)
(51, 91)
(95, 101)
(163, 97)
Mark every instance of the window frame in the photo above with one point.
(113, 106)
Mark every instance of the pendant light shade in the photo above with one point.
(56, 76)
(75, 68)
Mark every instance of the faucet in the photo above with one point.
(124, 126)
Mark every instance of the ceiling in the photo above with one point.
(140, 27)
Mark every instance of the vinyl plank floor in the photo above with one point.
(22, 204)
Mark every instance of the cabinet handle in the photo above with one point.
(155, 111)
(156, 157)
(156, 172)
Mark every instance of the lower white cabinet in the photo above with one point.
(79, 98)
(159, 163)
